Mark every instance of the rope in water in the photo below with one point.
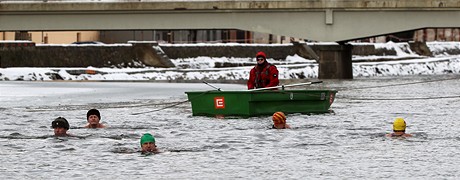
(403, 99)
(173, 105)
(401, 84)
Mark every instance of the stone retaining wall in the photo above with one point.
(145, 54)
(66, 56)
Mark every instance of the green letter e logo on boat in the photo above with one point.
(219, 102)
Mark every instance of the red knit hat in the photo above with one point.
(261, 54)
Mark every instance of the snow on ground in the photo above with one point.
(446, 60)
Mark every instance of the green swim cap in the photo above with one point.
(147, 137)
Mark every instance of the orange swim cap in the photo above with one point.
(279, 118)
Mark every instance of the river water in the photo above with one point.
(347, 143)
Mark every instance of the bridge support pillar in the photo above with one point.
(335, 62)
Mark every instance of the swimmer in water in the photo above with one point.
(93, 117)
(399, 129)
(148, 144)
(60, 126)
(279, 121)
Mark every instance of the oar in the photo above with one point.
(211, 85)
(289, 85)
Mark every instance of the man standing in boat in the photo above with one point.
(263, 74)
(399, 129)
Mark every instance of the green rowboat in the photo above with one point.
(255, 103)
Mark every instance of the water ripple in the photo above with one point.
(347, 143)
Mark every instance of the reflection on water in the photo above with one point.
(347, 143)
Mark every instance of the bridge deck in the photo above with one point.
(322, 20)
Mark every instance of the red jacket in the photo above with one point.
(263, 76)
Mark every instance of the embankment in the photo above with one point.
(150, 54)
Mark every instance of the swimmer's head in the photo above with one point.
(60, 122)
(399, 124)
(93, 112)
(147, 137)
(279, 118)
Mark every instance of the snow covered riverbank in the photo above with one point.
(445, 60)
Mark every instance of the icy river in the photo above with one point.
(347, 143)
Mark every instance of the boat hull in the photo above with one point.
(256, 103)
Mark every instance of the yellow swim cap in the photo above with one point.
(399, 124)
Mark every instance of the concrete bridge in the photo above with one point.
(320, 20)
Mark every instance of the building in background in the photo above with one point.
(51, 37)
(61, 37)
(209, 36)
(7, 36)
(162, 36)
(440, 34)
(192, 36)
(421, 35)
